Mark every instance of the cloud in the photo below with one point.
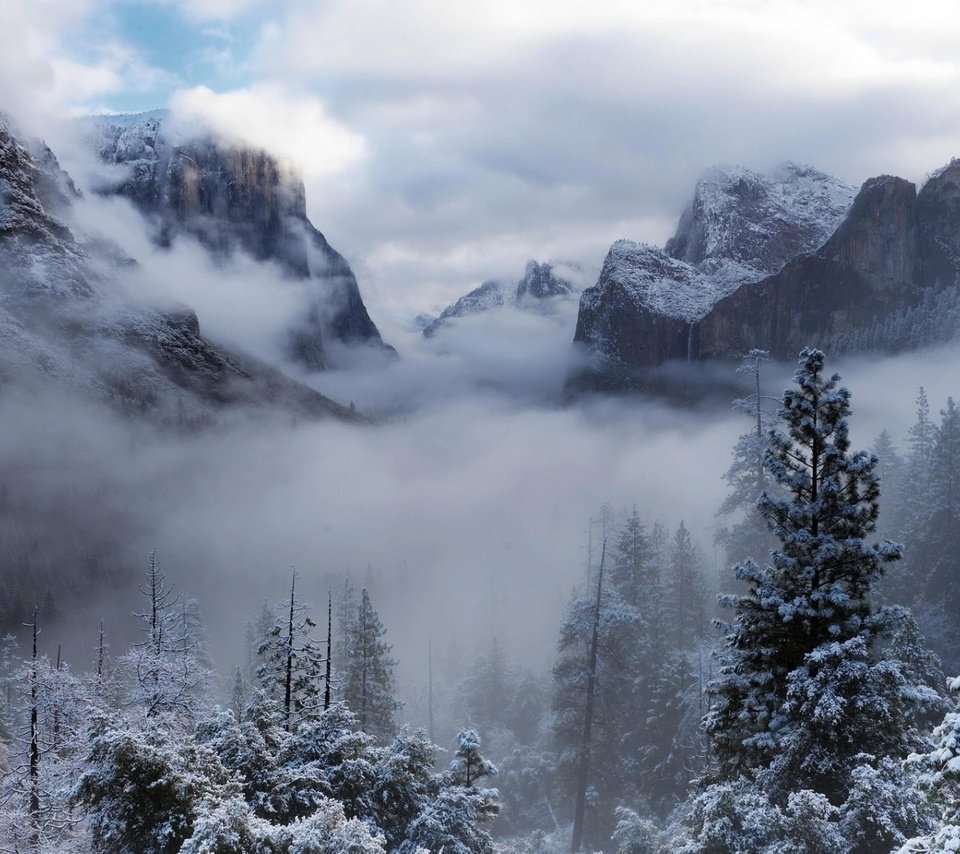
(555, 128)
(56, 60)
(294, 127)
(444, 143)
(217, 11)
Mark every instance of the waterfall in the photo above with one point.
(690, 342)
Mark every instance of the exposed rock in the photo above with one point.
(892, 247)
(491, 294)
(882, 260)
(238, 198)
(538, 289)
(63, 323)
(758, 222)
(540, 282)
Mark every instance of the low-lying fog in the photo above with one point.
(467, 510)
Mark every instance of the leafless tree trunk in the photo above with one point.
(583, 772)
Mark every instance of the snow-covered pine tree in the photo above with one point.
(684, 593)
(941, 540)
(255, 631)
(936, 774)
(633, 570)
(487, 690)
(368, 680)
(468, 765)
(799, 687)
(293, 668)
(167, 676)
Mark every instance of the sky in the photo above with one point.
(444, 143)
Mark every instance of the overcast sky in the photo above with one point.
(445, 142)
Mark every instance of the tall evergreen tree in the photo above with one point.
(166, 665)
(748, 534)
(293, 667)
(368, 671)
(684, 599)
(807, 617)
(809, 719)
(941, 539)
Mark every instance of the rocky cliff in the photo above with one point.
(739, 228)
(234, 198)
(816, 269)
(893, 247)
(67, 323)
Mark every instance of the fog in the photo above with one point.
(468, 515)
(466, 508)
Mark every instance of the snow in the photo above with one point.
(740, 227)
(663, 285)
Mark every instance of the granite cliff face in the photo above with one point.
(852, 270)
(66, 322)
(894, 246)
(233, 198)
(739, 228)
(537, 290)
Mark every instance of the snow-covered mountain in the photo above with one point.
(67, 322)
(739, 228)
(236, 198)
(742, 226)
(776, 262)
(537, 290)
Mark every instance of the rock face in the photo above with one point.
(780, 265)
(66, 322)
(894, 246)
(237, 198)
(537, 290)
(540, 282)
(739, 228)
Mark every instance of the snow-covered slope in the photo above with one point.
(756, 223)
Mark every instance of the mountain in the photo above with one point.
(536, 290)
(896, 249)
(66, 321)
(739, 228)
(231, 198)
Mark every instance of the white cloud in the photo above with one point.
(50, 66)
(295, 127)
(546, 128)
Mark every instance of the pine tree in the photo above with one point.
(167, 674)
(684, 600)
(941, 539)
(748, 535)
(633, 572)
(487, 689)
(807, 617)
(293, 665)
(468, 765)
(368, 671)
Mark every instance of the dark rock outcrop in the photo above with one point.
(234, 198)
(491, 294)
(892, 247)
(540, 282)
